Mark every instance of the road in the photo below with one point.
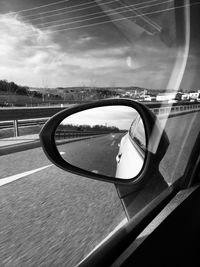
(101, 153)
(53, 218)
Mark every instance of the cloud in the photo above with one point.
(85, 39)
(22, 49)
(29, 55)
(36, 58)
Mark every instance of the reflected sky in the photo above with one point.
(118, 116)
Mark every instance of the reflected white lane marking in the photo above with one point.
(12, 178)
(95, 171)
(62, 153)
(123, 222)
(113, 142)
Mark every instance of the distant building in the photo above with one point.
(194, 95)
(147, 98)
(166, 97)
(185, 97)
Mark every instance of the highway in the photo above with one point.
(53, 218)
(50, 216)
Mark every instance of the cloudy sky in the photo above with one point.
(74, 43)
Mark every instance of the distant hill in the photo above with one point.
(17, 95)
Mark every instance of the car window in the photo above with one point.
(55, 54)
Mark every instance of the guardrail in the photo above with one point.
(17, 115)
(22, 123)
(176, 109)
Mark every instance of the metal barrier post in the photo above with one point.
(16, 128)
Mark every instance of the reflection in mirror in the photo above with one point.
(107, 140)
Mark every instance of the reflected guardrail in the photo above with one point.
(61, 135)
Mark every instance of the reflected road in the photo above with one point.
(97, 154)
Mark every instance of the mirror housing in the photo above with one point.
(151, 125)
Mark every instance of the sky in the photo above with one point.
(46, 43)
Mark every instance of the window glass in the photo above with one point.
(60, 53)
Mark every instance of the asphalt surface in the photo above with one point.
(97, 154)
(54, 218)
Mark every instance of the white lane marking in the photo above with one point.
(123, 222)
(62, 153)
(12, 178)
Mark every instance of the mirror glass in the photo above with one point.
(108, 140)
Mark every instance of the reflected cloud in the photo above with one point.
(118, 116)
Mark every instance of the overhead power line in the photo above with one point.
(66, 12)
(104, 15)
(90, 14)
(63, 8)
(38, 7)
(148, 20)
(115, 20)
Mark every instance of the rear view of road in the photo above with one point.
(96, 154)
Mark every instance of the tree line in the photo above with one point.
(11, 87)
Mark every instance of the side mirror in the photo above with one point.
(107, 140)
